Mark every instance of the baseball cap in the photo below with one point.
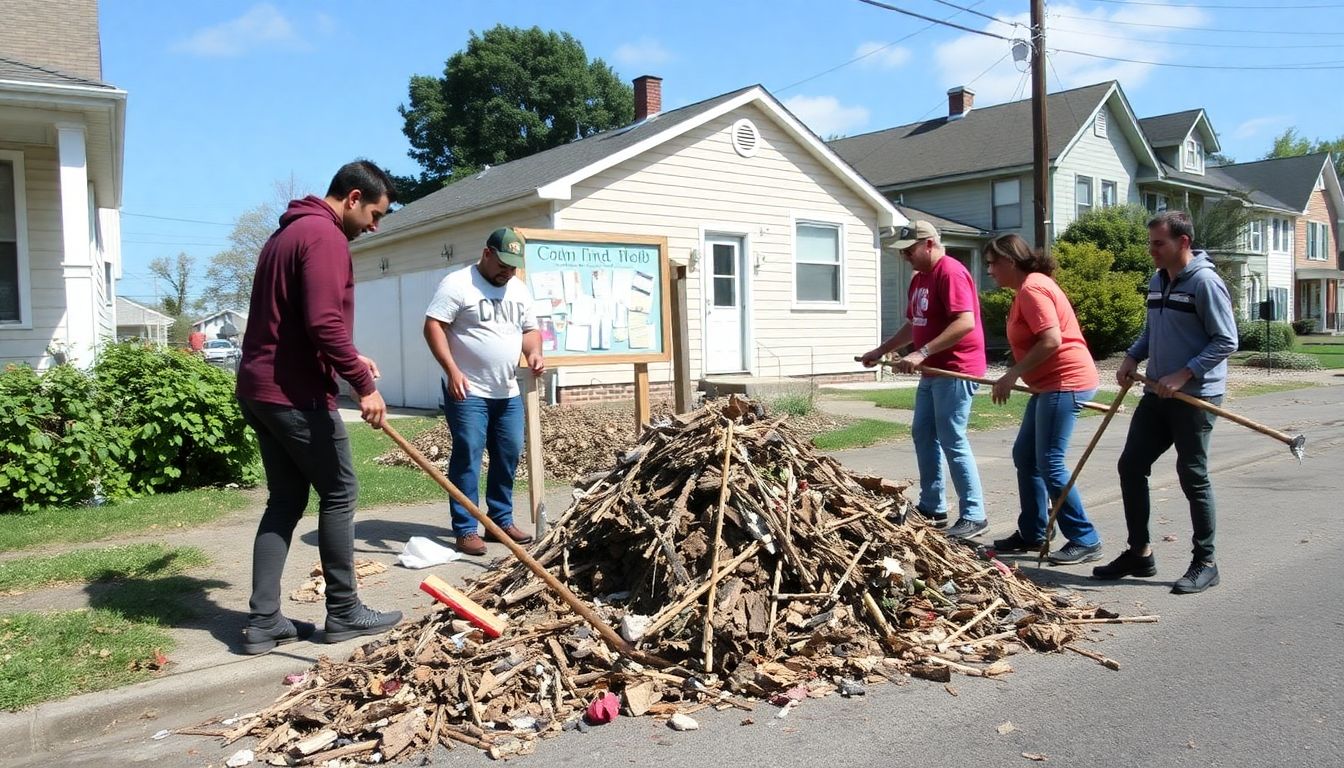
(908, 235)
(508, 245)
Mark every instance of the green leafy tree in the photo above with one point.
(1290, 143)
(1109, 310)
(1121, 230)
(176, 274)
(510, 93)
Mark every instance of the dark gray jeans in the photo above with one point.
(303, 450)
(1158, 424)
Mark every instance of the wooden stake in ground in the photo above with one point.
(1077, 470)
(707, 640)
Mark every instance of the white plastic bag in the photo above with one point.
(421, 552)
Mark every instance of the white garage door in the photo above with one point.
(420, 371)
(378, 333)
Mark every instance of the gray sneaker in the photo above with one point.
(965, 529)
(361, 621)
(1199, 577)
(1073, 553)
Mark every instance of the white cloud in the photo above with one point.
(1068, 28)
(881, 55)
(262, 26)
(826, 116)
(644, 52)
(1258, 126)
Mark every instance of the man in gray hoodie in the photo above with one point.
(1187, 337)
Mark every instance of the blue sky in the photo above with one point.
(227, 99)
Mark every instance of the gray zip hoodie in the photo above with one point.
(1189, 325)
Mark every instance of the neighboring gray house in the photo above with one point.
(225, 323)
(136, 321)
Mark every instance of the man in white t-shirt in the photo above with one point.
(478, 323)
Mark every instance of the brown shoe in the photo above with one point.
(471, 544)
(518, 535)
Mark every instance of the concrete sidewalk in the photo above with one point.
(208, 678)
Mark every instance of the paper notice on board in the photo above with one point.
(642, 282)
(546, 326)
(620, 321)
(542, 307)
(601, 283)
(641, 336)
(547, 285)
(602, 333)
(583, 311)
(576, 338)
(639, 301)
(573, 285)
(621, 280)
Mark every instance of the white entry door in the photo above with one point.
(725, 306)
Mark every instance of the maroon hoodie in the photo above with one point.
(301, 321)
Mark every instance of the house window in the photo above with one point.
(1108, 193)
(1253, 237)
(1194, 156)
(817, 263)
(1099, 124)
(1280, 236)
(1008, 204)
(1154, 202)
(11, 255)
(1318, 238)
(108, 283)
(1082, 194)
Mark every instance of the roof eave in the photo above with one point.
(521, 200)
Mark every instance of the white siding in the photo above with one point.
(1108, 158)
(1280, 275)
(46, 280)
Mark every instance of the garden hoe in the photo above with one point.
(1296, 445)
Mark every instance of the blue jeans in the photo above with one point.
(493, 426)
(1038, 454)
(942, 408)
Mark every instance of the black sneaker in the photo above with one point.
(1073, 553)
(965, 529)
(362, 621)
(260, 639)
(936, 519)
(1016, 543)
(1199, 577)
(1127, 564)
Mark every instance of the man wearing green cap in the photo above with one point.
(478, 323)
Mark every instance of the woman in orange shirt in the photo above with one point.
(1053, 359)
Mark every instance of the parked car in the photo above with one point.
(221, 351)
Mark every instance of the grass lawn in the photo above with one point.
(1327, 349)
(25, 530)
(380, 484)
(137, 561)
(1252, 389)
(860, 434)
(984, 414)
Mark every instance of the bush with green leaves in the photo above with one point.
(176, 417)
(1292, 361)
(1251, 335)
(54, 446)
(1109, 307)
(1121, 230)
(994, 306)
(1304, 327)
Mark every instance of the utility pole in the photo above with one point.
(1039, 145)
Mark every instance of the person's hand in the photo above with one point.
(1169, 385)
(1125, 373)
(373, 410)
(457, 385)
(871, 358)
(910, 363)
(373, 367)
(537, 363)
(1003, 388)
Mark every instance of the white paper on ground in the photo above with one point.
(421, 552)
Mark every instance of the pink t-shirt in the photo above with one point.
(934, 298)
(1038, 305)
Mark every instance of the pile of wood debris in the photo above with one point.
(817, 579)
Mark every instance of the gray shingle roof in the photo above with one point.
(1287, 179)
(1217, 177)
(11, 69)
(132, 313)
(1168, 130)
(524, 175)
(984, 139)
(944, 226)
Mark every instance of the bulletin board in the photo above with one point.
(599, 298)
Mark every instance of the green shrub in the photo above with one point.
(1109, 304)
(1293, 361)
(1121, 230)
(1304, 327)
(1251, 336)
(176, 416)
(54, 446)
(994, 306)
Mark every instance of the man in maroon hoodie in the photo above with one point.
(298, 340)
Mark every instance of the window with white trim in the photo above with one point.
(817, 263)
(11, 266)
(1109, 193)
(1007, 204)
(1154, 202)
(1253, 236)
(1082, 195)
(1280, 236)
(1318, 241)
(1193, 159)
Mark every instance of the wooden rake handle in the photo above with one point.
(609, 635)
(1295, 444)
(983, 380)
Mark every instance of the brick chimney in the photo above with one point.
(648, 96)
(959, 102)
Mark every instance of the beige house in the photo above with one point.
(779, 237)
(61, 143)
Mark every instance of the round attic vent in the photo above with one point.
(745, 137)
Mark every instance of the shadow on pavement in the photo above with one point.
(172, 601)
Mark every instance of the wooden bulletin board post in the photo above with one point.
(599, 299)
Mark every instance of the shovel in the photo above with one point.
(1296, 445)
(609, 635)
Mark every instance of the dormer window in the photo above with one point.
(1194, 156)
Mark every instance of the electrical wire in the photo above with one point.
(171, 218)
(1305, 66)
(972, 30)
(1239, 46)
(1195, 29)
(975, 13)
(1224, 7)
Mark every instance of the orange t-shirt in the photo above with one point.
(1038, 305)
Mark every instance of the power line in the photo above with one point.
(975, 13)
(973, 31)
(1240, 46)
(1225, 7)
(1318, 65)
(1194, 29)
(171, 218)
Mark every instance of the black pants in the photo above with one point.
(1158, 424)
(303, 450)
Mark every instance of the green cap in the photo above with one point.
(508, 245)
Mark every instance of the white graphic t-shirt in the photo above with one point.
(486, 323)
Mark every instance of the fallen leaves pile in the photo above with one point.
(782, 578)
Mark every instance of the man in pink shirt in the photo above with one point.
(943, 324)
